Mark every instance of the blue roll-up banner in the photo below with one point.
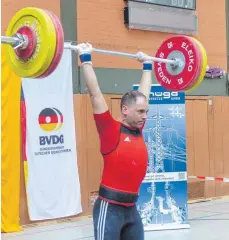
(163, 198)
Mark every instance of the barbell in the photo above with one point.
(35, 44)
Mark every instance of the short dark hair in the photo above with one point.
(131, 97)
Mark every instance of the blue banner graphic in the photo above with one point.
(163, 194)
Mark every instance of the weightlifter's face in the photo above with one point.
(136, 113)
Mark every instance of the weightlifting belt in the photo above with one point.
(121, 197)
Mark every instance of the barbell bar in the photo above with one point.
(102, 51)
(10, 40)
(35, 40)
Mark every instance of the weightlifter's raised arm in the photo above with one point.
(146, 79)
(98, 102)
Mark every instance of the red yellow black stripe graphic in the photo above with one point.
(50, 119)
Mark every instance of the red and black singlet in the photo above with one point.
(125, 160)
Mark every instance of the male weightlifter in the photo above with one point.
(115, 215)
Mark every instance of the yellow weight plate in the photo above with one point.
(199, 59)
(204, 65)
(45, 32)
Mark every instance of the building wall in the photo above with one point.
(227, 32)
(104, 28)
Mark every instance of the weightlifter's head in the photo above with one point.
(134, 108)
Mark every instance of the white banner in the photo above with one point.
(53, 187)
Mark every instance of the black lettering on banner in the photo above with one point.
(181, 176)
(42, 153)
(48, 140)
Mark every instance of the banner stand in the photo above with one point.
(163, 200)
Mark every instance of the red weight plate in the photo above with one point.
(26, 53)
(179, 78)
(59, 44)
(200, 68)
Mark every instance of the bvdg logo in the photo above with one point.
(51, 119)
(165, 95)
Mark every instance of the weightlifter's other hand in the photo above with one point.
(143, 58)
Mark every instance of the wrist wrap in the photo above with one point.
(147, 66)
(85, 58)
